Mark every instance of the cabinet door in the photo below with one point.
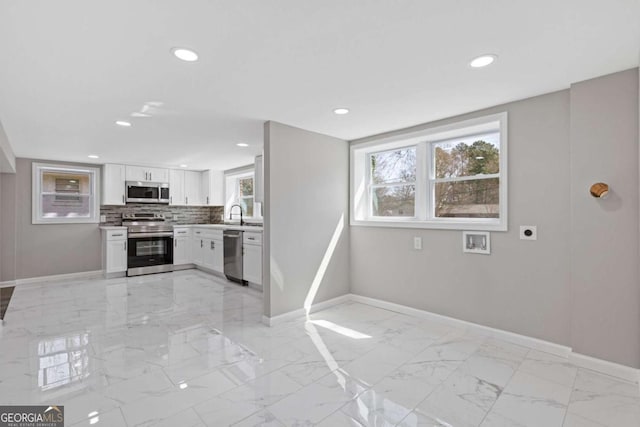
(209, 258)
(193, 188)
(176, 187)
(158, 175)
(218, 255)
(182, 250)
(136, 173)
(205, 187)
(113, 184)
(116, 256)
(252, 264)
(197, 250)
(213, 188)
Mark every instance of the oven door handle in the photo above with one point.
(145, 235)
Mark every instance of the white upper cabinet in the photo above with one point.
(213, 188)
(159, 175)
(258, 180)
(193, 188)
(113, 184)
(143, 173)
(176, 187)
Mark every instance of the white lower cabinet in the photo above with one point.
(114, 251)
(182, 246)
(213, 257)
(208, 249)
(197, 247)
(252, 257)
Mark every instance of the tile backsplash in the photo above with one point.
(185, 214)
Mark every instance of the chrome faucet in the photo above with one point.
(231, 213)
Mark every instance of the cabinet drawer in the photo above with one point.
(117, 234)
(181, 232)
(250, 238)
(207, 233)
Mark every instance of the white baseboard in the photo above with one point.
(301, 312)
(609, 368)
(537, 344)
(56, 278)
(7, 283)
(605, 367)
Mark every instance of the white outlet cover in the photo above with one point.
(417, 243)
(532, 236)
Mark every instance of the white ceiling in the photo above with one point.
(70, 68)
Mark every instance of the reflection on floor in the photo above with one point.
(188, 349)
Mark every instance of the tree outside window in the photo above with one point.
(245, 195)
(467, 177)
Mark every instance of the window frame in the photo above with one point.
(36, 193)
(423, 139)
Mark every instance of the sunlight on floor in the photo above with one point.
(340, 329)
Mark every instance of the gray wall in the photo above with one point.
(306, 196)
(7, 227)
(43, 249)
(7, 158)
(522, 285)
(604, 233)
(559, 144)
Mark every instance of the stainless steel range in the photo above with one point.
(150, 243)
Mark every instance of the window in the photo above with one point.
(393, 182)
(451, 177)
(64, 194)
(240, 190)
(245, 195)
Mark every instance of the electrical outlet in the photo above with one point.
(528, 232)
(175, 217)
(417, 243)
(103, 218)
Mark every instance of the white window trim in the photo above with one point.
(359, 191)
(36, 190)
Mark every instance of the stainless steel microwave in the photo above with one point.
(147, 192)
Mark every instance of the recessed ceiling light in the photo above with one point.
(483, 60)
(242, 144)
(183, 166)
(141, 115)
(93, 156)
(123, 123)
(341, 111)
(185, 54)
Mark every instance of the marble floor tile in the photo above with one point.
(339, 419)
(530, 401)
(549, 367)
(462, 400)
(605, 400)
(373, 409)
(219, 411)
(262, 418)
(189, 349)
(316, 401)
(112, 418)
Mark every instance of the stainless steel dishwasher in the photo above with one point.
(233, 255)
